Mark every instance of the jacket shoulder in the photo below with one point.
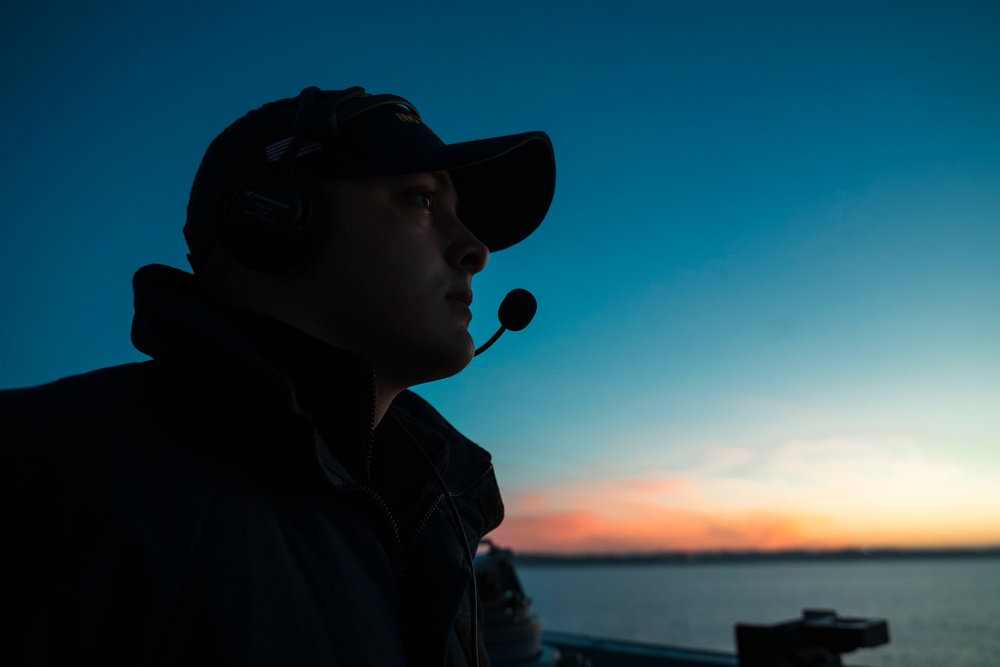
(69, 402)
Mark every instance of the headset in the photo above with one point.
(270, 220)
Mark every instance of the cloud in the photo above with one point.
(803, 493)
(672, 530)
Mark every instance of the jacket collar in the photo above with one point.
(276, 368)
(247, 370)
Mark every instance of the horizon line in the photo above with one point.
(710, 555)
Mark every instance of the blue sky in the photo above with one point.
(768, 284)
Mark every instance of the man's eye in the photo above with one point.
(424, 199)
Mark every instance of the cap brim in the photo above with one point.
(505, 184)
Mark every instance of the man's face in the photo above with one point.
(394, 280)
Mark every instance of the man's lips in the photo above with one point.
(463, 296)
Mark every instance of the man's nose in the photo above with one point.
(468, 252)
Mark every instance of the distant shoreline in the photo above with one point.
(708, 557)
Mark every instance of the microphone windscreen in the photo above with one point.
(517, 309)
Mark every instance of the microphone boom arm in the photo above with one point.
(485, 346)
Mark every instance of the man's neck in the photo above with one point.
(383, 398)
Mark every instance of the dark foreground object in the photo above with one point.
(514, 635)
(819, 639)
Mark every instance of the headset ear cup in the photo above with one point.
(266, 222)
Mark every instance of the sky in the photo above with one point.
(768, 285)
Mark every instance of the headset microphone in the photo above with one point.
(515, 313)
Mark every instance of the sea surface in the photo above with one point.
(941, 612)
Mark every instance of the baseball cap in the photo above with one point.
(505, 184)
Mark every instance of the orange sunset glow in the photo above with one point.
(806, 495)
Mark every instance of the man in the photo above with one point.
(252, 495)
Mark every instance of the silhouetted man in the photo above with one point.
(250, 496)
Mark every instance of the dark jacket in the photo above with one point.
(228, 503)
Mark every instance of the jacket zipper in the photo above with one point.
(367, 490)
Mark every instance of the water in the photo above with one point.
(941, 612)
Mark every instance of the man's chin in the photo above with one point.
(438, 363)
(455, 362)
